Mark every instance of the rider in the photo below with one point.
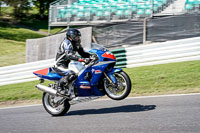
(67, 52)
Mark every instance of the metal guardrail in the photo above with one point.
(142, 55)
(22, 72)
(157, 52)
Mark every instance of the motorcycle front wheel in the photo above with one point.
(123, 88)
(52, 105)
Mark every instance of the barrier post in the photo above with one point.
(144, 30)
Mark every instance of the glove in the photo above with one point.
(86, 60)
(93, 56)
(81, 60)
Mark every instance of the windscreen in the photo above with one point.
(98, 46)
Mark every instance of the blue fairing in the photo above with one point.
(98, 52)
(114, 70)
(111, 76)
(97, 72)
(53, 76)
(89, 87)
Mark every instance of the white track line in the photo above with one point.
(139, 97)
(21, 106)
(156, 96)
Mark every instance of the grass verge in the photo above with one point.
(11, 52)
(170, 78)
(12, 43)
(11, 32)
(22, 91)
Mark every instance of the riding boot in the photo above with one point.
(63, 82)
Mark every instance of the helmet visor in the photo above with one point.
(77, 38)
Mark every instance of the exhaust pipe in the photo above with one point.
(46, 89)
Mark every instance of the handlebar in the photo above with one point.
(93, 59)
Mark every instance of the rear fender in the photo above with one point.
(111, 76)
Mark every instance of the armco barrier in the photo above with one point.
(22, 72)
(159, 53)
(142, 55)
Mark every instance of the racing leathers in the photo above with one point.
(67, 52)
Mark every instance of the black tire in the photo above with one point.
(52, 110)
(127, 89)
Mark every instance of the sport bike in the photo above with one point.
(94, 80)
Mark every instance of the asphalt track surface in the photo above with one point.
(168, 114)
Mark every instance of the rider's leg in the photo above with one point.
(68, 76)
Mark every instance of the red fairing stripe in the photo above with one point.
(109, 55)
(42, 72)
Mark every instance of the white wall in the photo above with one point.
(46, 48)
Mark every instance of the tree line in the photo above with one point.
(21, 7)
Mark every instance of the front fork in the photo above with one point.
(111, 78)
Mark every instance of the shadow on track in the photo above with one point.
(119, 109)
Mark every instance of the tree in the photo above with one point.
(20, 7)
(43, 6)
(1, 3)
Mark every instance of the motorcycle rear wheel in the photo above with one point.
(51, 108)
(123, 88)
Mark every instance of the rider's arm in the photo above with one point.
(75, 57)
(66, 48)
(71, 56)
(83, 53)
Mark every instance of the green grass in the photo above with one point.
(11, 32)
(149, 80)
(166, 79)
(12, 43)
(11, 52)
(22, 91)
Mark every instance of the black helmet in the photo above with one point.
(74, 35)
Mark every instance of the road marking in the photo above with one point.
(139, 97)
(170, 95)
(21, 106)
(142, 97)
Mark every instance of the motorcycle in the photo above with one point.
(94, 80)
